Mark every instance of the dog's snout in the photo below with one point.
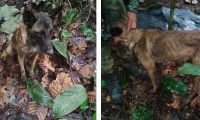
(50, 51)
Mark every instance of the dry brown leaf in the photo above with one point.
(9, 86)
(5, 92)
(63, 80)
(170, 72)
(195, 102)
(196, 85)
(175, 104)
(77, 45)
(74, 25)
(55, 88)
(35, 109)
(31, 108)
(3, 97)
(92, 96)
(45, 80)
(41, 112)
(169, 69)
(2, 91)
(108, 98)
(1, 68)
(45, 63)
(87, 71)
(2, 40)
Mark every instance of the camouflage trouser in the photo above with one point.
(133, 5)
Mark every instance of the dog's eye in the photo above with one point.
(42, 32)
(36, 32)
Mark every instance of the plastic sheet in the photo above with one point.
(184, 19)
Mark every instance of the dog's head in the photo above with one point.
(133, 37)
(40, 27)
(129, 39)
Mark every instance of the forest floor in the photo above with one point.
(74, 29)
(133, 95)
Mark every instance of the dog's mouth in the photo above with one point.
(50, 52)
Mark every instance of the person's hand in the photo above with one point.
(131, 21)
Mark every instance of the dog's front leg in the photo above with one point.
(33, 65)
(149, 64)
(21, 64)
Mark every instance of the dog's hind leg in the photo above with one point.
(33, 65)
(21, 64)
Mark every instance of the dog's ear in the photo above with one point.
(28, 18)
(55, 11)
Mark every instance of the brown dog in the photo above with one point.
(33, 36)
(155, 46)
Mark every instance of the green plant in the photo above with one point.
(66, 34)
(66, 102)
(38, 93)
(61, 48)
(174, 85)
(142, 113)
(69, 100)
(70, 16)
(87, 31)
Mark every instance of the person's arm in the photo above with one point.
(132, 10)
(132, 20)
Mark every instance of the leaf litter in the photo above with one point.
(53, 73)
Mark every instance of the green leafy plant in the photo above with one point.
(142, 113)
(88, 31)
(94, 116)
(85, 105)
(38, 93)
(69, 100)
(189, 68)
(174, 85)
(61, 48)
(70, 16)
(103, 83)
(66, 34)
(11, 20)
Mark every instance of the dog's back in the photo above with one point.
(155, 46)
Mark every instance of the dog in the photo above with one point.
(155, 46)
(32, 37)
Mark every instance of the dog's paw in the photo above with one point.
(32, 74)
(23, 77)
(155, 88)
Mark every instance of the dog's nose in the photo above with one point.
(50, 52)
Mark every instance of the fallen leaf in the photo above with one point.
(45, 80)
(2, 40)
(77, 61)
(87, 71)
(175, 104)
(3, 54)
(45, 63)
(77, 45)
(108, 98)
(169, 69)
(35, 109)
(196, 85)
(6, 92)
(1, 68)
(3, 98)
(195, 102)
(92, 96)
(63, 80)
